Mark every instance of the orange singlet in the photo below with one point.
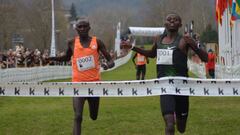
(141, 59)
(85, 62)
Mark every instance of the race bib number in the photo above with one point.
(164, 56)
(85, 63)
(140, 58)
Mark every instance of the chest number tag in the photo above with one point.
(140, 59)
(164, 56)
(85, 63)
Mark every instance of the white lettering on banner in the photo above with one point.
(85, 63)
(162, 86)
(165, 56)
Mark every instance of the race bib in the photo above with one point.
(85, 63)
(140, 58)
(164, 56)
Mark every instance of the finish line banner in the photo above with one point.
(154, 87)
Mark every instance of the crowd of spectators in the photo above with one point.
(24, 57)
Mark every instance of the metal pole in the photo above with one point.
(53, 42)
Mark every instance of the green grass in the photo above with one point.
(117, 116)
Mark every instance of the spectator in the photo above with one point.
(3, 59)
(210, 66)
(140, 65)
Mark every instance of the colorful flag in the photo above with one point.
(230, 11)
(230, 4)
(238, 8)
(221, 5)
(218, 16)
(235, 9)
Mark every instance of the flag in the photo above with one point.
(230, 11)
(235, 9)
(224, 4)
(218, 17)
(230, 4)
(220, 5)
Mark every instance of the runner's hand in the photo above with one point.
(191, 42)
(104, 66)
(108, 65)
(125, 45)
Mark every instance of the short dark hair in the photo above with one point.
(210, 50)
(82, 19)
(173, 13)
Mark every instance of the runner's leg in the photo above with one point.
(182, 108)
(168, 108)
(93, 107)
(78, 104)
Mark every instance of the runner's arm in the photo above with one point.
(192, 44)
(110, 63)
(68, 54)
(148, 53)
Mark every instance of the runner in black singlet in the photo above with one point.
(171, 51)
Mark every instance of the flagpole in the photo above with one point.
(117, 39)
(53, 42)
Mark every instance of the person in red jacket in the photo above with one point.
(211, 63)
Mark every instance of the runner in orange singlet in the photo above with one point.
(84, 51)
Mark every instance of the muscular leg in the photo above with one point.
(78, 104)
(182, 107)
(168, 108)
(93, 107)
(169, 124)
(181, 124)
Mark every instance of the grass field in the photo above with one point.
(117, 116)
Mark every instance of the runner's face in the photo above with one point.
(83, 28)
(173, 22)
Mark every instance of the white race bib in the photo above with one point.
(140, 58)
(164, 56)
(85, 63)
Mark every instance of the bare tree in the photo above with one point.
(31, 19)
(8, 23)
(200, 11)
(104, 22)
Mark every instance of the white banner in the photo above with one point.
(146, 31)
(163, 86)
